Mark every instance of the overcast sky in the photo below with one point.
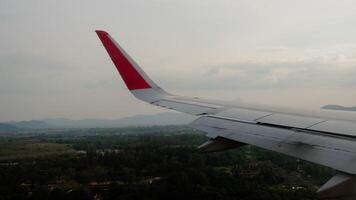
(300, 53)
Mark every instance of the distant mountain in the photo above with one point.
(7, 127)
(13, 126)
(167, 118)
(338, 107)
(32, 124)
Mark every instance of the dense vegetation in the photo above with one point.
(147, 163)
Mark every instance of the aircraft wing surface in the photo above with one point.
(323, 137)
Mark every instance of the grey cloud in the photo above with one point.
(319, 72)
(50, 55)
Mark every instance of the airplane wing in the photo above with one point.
(324, 137)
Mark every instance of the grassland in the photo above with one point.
(16, 149)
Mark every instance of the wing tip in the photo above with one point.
(131, 73)
(101, 32)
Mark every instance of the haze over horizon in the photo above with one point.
(299, 53)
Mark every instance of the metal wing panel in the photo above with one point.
(290, 120)
(160, 98)
(334, 152)
(337, 127)
(243, 114)
(182, 107)
(186, 107)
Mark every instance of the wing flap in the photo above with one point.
(219, 144)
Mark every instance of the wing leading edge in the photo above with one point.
(327, 138)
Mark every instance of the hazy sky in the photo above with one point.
(300, 53)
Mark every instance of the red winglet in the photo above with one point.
(132, 78)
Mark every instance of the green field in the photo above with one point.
(17, 149)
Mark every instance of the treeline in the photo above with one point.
(158, 166)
